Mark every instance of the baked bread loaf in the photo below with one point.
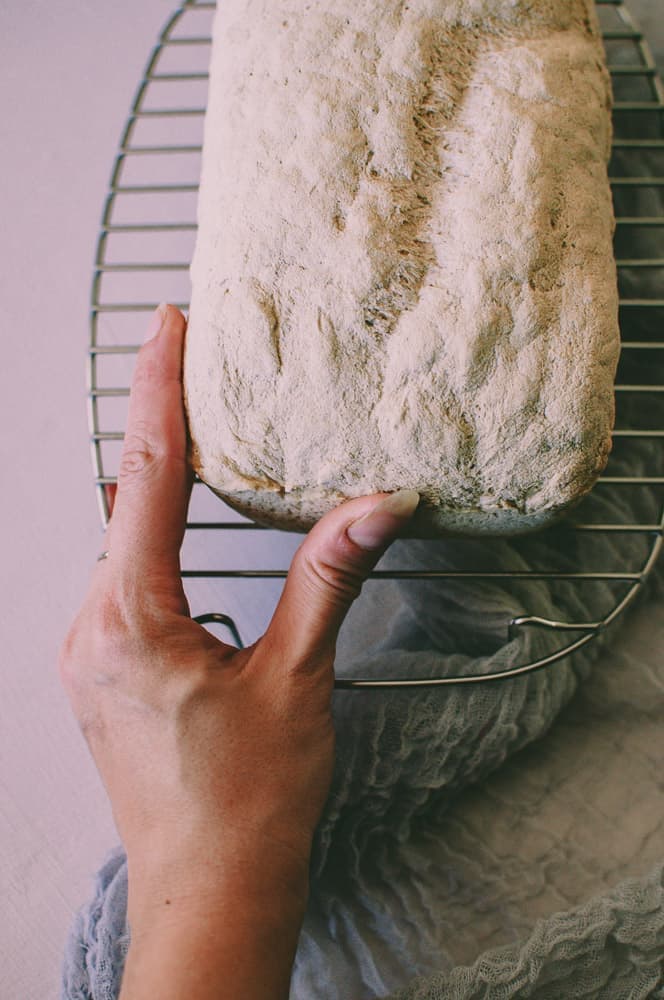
(403, 275)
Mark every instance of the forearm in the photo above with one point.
(238, 940)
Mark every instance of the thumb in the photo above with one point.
(328, 570)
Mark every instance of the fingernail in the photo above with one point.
(156, 321)
(384, 521)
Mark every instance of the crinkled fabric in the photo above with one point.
(99, 938)
(610, 949)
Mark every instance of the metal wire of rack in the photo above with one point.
(145, 244)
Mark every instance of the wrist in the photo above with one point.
(263, 880)
(233, 933)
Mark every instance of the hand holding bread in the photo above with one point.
(217, 761)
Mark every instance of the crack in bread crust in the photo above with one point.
(450, 57)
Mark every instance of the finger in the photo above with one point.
(154, 480)
(328, 570)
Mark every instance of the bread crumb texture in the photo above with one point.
(404, 275)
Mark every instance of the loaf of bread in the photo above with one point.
(403, 275)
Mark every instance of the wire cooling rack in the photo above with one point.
(143, 253)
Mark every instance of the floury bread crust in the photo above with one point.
(404, 275)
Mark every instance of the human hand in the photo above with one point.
(212, 757)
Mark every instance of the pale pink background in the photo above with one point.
(67, 75)
(68, 71)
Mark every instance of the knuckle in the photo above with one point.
(73, 667)
(117, 636)
(314, 677)
(133, 463)
(104, 646)
(139, 454)
(343, 581)
(131, 624)
(100, 624)
(124, 624)
(109, 617)
(102, 636)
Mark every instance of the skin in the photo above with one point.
(217, 761)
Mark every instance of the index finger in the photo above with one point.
(154, 480)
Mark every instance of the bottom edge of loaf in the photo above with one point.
(299, 511)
